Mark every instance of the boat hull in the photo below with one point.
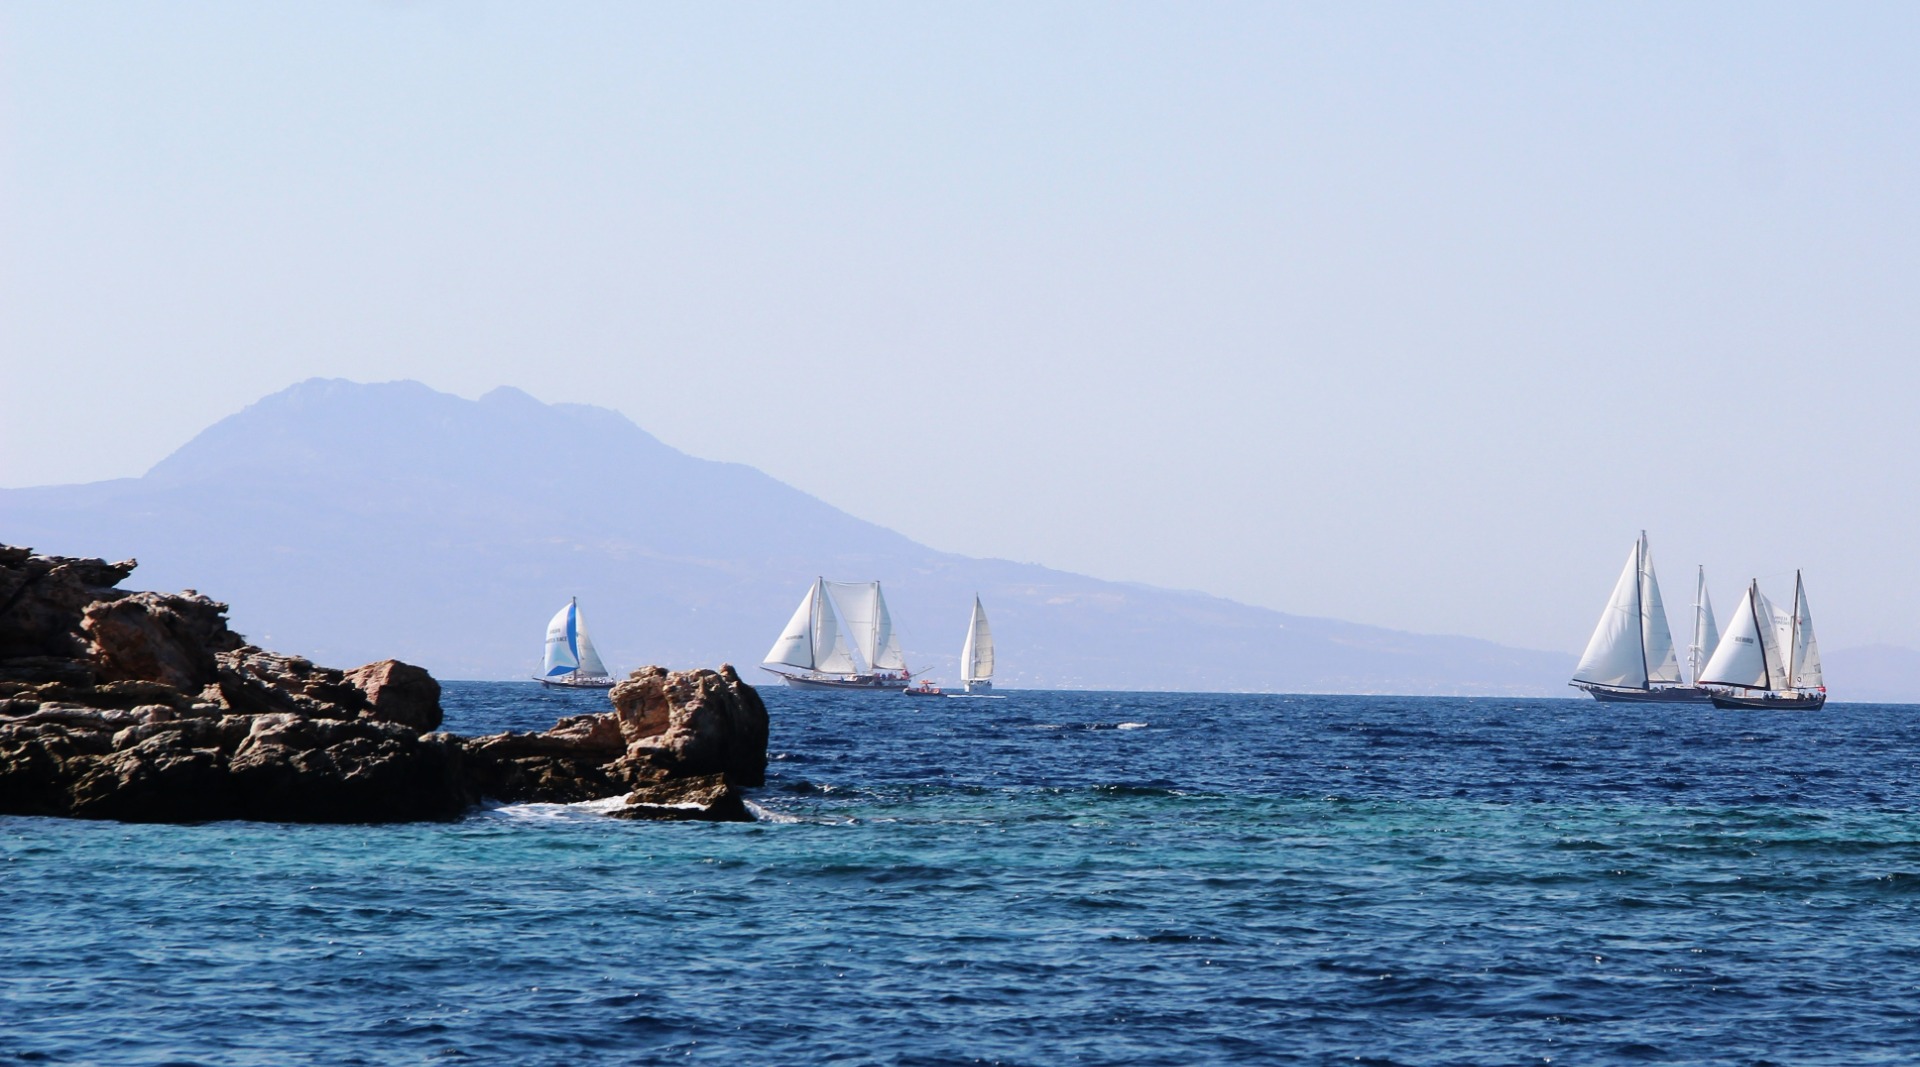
(980, 685)
(1771, 701)
(1677, 694)
(864, 683)
(566, 682)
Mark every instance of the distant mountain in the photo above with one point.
(349, 522)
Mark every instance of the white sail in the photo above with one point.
(830, 652)
(562, 655)
(1781, 665)
(1706, 635)
(1804, 661)
(976, 654)
(1662, 666)
(1615, 654)
(583, 646)
(794, 646)
(811, 641)
(1748, 655)
(864, 610)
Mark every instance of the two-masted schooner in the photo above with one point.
(1630, 657)
(1769, 658)
(814, 653)
(571, 662)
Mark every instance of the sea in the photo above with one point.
(1041, 878)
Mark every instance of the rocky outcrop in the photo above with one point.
(679, 744)
(146, 707)
(399, 693)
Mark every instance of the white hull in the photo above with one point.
(864, 683)
(579, 681)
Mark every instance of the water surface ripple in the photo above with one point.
(1049, 878)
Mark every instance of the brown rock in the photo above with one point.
(147, 707)
(709, 798)
(685, 724)
(400, 693)
(158, 637)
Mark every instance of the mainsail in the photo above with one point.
(1749, 652)
(869, 623)
(976, 654)
(1803, 662)
(1706, 636)
(1658, 640)
(1631, 648)
(569, 649)
(811, 641)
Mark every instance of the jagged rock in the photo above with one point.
(708, 798)
(168, 638)
(684, 724)
(42, 599)
(146, 707)
(400, 692)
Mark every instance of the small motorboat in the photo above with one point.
(922, 688)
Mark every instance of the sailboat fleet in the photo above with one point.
(841, 637)
(1766, 659)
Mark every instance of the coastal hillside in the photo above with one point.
(348, 522)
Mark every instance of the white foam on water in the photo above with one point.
(761, 814)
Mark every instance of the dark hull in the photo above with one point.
(1669, 695)
(578, 683)
(1771, 702)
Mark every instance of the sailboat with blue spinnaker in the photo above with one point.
(571, 661)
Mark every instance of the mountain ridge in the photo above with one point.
(341, 518)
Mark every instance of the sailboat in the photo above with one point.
(1706, 636)
(819, 656)
(976, 653)
(1630, 656)
(571, 661)
(1769, 658)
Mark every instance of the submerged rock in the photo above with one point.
(145, 707)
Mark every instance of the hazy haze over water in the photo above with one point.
(1407, 317)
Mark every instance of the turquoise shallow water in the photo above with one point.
(1049, 878)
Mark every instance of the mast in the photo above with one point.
(1693, 649)
(1753, 605)
(1793, 638)
(1640, 606)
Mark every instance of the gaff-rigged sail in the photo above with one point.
(976, 654)
(864, 612)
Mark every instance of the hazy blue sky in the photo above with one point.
(1411, 315)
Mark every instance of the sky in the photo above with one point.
(1412, 315)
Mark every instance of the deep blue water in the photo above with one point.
(1048, 878)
